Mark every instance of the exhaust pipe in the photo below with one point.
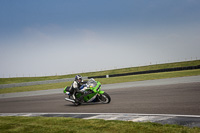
(67, 99)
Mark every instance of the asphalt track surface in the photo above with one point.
(179, 98)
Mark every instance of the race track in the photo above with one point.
(181, 98)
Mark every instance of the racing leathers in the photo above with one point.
(77, 87)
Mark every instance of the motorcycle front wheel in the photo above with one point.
(104, 98)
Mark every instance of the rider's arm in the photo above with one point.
(84, 88)
(76, 87)
(75, 84)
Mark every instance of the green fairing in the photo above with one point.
(86, 98)
(96, 87)
(98, 84)
(96, 91)
(101, 92)
(64, 91)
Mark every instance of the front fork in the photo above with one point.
(99, 95)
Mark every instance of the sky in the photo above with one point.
(49, 37)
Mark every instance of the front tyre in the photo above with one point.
(104, 98)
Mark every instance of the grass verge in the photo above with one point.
(107, 80)
(75, 125)
(99, 73)
(35, 87)
(152, 76)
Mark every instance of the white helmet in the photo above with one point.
(78, 77)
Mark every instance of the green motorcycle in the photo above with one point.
(93, 93)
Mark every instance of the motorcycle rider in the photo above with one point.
(78, 82)
(78, 86)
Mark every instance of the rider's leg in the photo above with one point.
(75, 91)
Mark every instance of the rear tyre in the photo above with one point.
(104, 98)
(77, 104)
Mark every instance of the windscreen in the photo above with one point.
(92, 82)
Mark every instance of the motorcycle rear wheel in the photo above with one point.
(77, 104)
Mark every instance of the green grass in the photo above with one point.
(108, 72)
(75, 125)
(152, 76)
(35, 87)
(32, 79)
(107, 80)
